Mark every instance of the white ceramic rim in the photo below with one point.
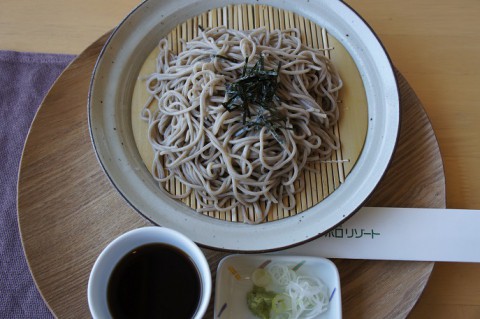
(120, 246)
(109, 118)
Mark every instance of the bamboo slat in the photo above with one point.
(351, 129)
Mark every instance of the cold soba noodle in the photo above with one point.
(238, 115)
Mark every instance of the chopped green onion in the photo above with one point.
(281, 303)
(261, 277)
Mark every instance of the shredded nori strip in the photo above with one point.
(253, 94)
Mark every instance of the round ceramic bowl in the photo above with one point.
(109, 258)
(110, 120)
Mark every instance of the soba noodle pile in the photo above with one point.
(209, 150)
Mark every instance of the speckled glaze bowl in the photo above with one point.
(109, 106)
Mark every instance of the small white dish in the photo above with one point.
(233, 282)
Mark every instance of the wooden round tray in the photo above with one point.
(68, 211)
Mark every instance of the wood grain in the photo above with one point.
(434, 43)
(68, 210)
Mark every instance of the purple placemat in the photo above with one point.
(25, 78)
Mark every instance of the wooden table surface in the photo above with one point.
(435, 44)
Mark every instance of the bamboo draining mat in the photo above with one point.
(352, 127)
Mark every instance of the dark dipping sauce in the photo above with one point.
(154, 281)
